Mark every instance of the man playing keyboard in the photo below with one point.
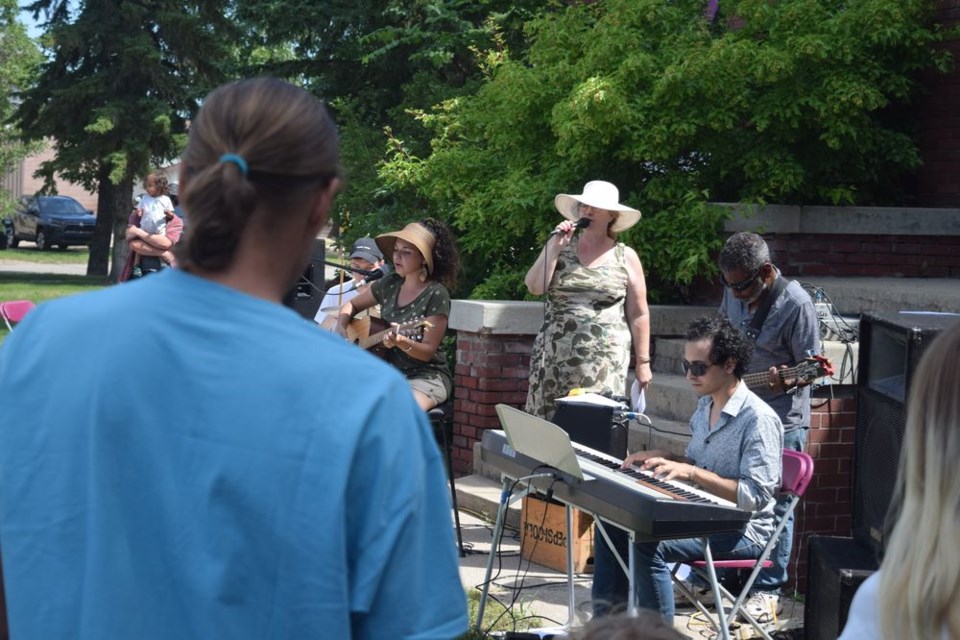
(735, 453)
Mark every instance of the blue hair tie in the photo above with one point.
(237, 160)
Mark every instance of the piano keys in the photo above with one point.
(653, 509)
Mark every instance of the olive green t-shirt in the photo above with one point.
(432, 301)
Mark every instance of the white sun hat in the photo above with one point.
(600, 195)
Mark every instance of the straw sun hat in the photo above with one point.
(414, 233)
(600, 195)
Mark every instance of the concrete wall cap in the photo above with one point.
(778, 218)
(496, 317)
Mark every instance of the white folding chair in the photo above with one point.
(797, 474)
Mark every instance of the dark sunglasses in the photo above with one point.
(743, 285)
(696, 368)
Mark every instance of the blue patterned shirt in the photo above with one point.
(747, 445)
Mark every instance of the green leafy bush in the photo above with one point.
(797, 101)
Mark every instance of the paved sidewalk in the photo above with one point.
(42, 267)
(542, 592)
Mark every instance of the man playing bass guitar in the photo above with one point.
(780, 319)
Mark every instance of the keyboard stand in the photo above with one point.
(505, 500)
(717, 598)
(629, 567)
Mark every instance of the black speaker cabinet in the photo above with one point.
(593, 426)
(835, 569)
(306, 294)
(891, 345)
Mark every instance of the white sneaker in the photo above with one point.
(763, 606)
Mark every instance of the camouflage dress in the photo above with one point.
(585, 340)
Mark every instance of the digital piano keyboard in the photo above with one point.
(633, 499)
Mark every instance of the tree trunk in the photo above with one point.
(123, 199)
(113, 210)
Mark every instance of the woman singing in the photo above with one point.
(596, 302)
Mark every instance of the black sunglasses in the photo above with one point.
(696, 368)
(743, 285)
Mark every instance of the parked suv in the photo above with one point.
(48, 221)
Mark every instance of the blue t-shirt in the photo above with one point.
(178, 460)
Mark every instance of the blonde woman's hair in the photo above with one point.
(919, 597)
(260, 145)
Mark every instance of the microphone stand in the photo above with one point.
(365, 272)
(306, 281)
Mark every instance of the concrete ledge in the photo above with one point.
(671, 397)
(511, 317)
(778, 218)
(481, 496)
(665, 434)
(856, 295)
(486, 317)
(673, 320)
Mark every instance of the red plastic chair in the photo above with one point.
(13, 311)
(797, 474)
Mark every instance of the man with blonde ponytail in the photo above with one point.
(916, 593)
(225, 490)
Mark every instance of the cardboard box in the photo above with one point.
(543, 535)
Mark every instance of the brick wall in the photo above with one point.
(866, 255)
(490, 369)
(936, 183)
(827, 505)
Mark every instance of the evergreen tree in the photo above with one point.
(116, 93)
(376, 61)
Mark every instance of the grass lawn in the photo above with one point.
(496, 617)
(27, 253)
(43, 286)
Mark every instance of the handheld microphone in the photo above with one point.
(582, 223)
(376, 274)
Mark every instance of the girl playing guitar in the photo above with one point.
(425, 260)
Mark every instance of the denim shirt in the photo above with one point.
(790, 330)
(746, 445)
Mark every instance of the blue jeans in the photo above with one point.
(774, 577)
(610, 584)
(652, 576)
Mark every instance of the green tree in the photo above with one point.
(797, 101)
(376, 61)
(19, 60)
(115, 95)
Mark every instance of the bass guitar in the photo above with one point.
(807, 370)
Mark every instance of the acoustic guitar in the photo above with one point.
(369, 332)
(371, 341)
